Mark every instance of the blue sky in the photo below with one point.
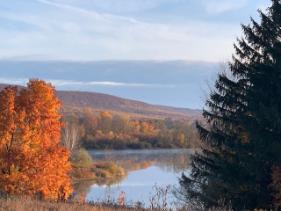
(122, 29)
(146, 45)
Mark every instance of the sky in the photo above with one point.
(201, 30)
(173, 83)
(158, 51)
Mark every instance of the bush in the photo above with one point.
(82, 159)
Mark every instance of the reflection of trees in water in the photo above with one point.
(82, 188)
(175, 163)
(131, 165)
(168, 160)
(109, 181)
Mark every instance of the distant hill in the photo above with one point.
(108, 102)
(74, 100)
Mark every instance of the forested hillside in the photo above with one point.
(100, 121)
(77, 100)
(105, 130)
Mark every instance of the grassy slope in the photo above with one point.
(23, 204)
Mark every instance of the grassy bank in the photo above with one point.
(27, 204)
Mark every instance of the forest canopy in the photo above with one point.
(107, 130)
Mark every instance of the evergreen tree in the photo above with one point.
(242, 139)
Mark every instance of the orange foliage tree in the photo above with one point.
(32, 161)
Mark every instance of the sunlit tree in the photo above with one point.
(32, 161)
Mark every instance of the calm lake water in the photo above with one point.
(146, 170)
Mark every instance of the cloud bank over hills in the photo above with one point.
(173, 83)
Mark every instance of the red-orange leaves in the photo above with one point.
(32, 161)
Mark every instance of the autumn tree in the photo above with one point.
(120, 123)
(32, 161)
(89, 120)
(105, 121)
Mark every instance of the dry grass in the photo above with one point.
(26, 204)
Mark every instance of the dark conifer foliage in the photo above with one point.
(242, 138)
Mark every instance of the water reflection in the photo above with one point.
(145, 169)
(173, 160)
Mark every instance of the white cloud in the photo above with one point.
(121, 5)
(65, 32)
(220, 6)
(13, 81)
(63, 83)
(79, 84)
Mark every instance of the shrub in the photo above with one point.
(82, 159)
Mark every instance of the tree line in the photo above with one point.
(106, 130)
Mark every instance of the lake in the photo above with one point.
(147, 172)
